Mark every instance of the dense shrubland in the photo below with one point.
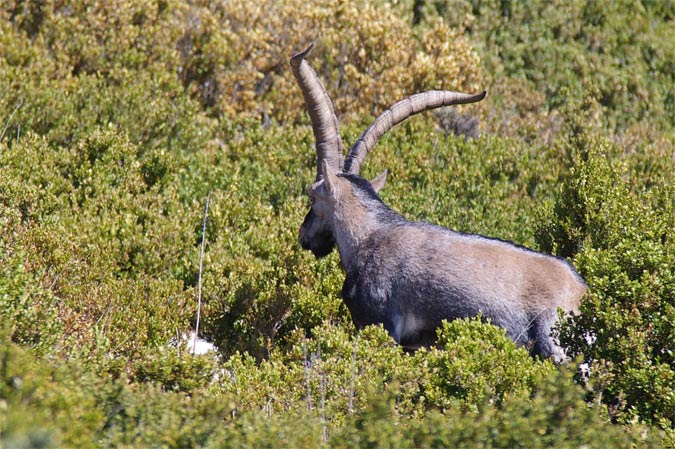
(116, 123)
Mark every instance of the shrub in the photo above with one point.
(561, 50)
(69, 405)
(362, 66)
(28, 308)
(233, 59)
(477, 363)
(40, 401)
(624, 249)
(556, 416)
(335, 373)
(93, 235)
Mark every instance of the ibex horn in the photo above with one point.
(321, 112)
(396, 114)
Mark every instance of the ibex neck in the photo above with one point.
(355, 223)
(350, 234)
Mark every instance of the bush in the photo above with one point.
(93, 235)
(27, 307)
(363, 68)
(562, 50)
(479, 364)
(623, 246)
(555, 417)
(232, 58)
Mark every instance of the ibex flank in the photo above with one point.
(409, 276)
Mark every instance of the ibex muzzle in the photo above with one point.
(316, 235)
(409, 276)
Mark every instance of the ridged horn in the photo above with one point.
(396, 114)
(321, 112)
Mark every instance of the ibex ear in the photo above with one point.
(330, 180)
(379, 181)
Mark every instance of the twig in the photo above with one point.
(322, 389)
(529, 323)
(268, 407)
(199, 281)
(351, 384)
(9, 120)
(103, 315)
(307, 374)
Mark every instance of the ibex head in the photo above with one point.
(316, 232)
(334, 193)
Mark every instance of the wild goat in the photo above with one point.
(409, 276)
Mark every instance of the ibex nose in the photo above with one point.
(304, 243)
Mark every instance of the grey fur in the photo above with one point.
(409, 276)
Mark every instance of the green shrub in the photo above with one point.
(623, 242)
(327, 376)
(47, 403)
(41, 401)
(28, 308)
(93, 235)
(334, 373)
(70, 405)
(477, 363)
(201, 45)
(562, 50)
(556, 416)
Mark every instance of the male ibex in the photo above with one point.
(410, 276)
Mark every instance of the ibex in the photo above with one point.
(409, 276)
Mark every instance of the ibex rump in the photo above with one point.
(409, 276)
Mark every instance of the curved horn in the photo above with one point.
(396, 114)
(320, 108)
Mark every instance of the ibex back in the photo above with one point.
(409, 276)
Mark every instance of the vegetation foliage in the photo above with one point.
(117, 122)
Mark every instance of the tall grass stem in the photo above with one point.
(201, 266)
